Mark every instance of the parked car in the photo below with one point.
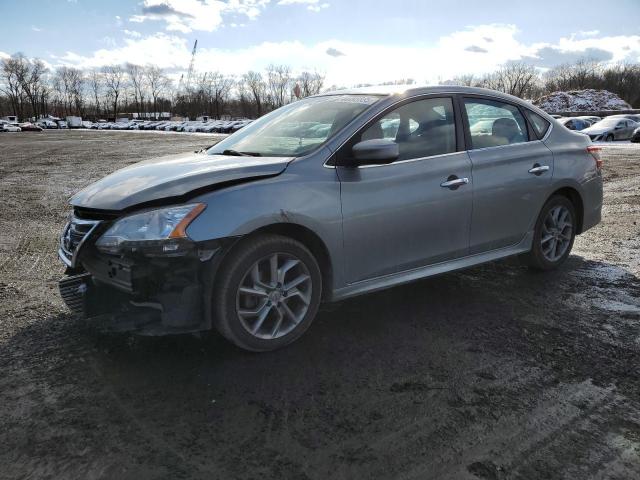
(629, 116)
(30, 127)
(47, 123)
(251, 235)
(574, 123)
(74, 122)
(240, 124)
(10, 127)
(610, 129)
(590, 118)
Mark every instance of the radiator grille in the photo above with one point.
(73, 235)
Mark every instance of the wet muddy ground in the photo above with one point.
(492, 373)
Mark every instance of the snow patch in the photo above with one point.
(581, 101)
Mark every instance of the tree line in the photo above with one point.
(28, 88)
(525, 81)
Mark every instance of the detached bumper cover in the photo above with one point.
(146, 295)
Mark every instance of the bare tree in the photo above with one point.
(517, 79)
(310, 83)
(465, 80)
(624, 80)
(138, 78)
(577, 76)
(10, 86)
(158, 83)
(221, 86)
(279, 83)
(30, 75)
(68, 85)
(114, 77)
(94, 80)
(258, 89)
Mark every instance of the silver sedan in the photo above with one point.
(610, 129)
(329, 197)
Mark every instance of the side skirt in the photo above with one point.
(388, 281)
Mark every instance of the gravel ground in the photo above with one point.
(493, 372)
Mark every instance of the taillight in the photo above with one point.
(595, 152)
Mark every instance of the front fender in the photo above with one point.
(306, 194)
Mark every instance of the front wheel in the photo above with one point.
(267, 293)
(554, 234)
(609, 138)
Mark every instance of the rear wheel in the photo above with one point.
(554, 234)
(267, 293)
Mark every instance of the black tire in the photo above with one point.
(536, 258)
(232, 272)
(609, 138)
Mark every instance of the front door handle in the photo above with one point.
(454, 182)
(539, 169)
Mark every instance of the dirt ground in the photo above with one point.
(493, 373)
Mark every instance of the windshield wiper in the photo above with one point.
(239, 154)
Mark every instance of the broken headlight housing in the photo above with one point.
(154, 232)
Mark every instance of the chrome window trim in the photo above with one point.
(409, 160)
(503, 146)
(436, 95)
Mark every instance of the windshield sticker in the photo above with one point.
(361, 99)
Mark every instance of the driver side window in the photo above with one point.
(421, 129)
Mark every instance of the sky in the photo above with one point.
(349, 41)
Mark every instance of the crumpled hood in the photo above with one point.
(172, 177)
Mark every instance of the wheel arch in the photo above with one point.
(309, 239)
(573, 195)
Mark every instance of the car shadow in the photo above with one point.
(367, 367)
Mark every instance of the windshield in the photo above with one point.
(295, 129)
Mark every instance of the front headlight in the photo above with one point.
(157, 231)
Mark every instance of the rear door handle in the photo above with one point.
(539, 169)
(454, 182)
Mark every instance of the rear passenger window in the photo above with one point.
(540, 124)
(421, 129)
(493, 123)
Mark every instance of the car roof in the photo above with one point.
(414, 90)
(410, 90)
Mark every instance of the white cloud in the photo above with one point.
(477, 50)
(35, 29)
(132, 33)
(318, 7)
(300, 2)
(616, 45)
(313, 5)
(4, 55)
(586, 33)
(204, 15)
(166, 51)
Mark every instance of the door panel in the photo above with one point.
(507, 198)
(398, 216)
(511, 173)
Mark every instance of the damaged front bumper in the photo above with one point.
(149, 295)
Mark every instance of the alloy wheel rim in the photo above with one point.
(274, 296)
(557, 230)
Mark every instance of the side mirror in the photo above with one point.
(377, 151)
(619, 127)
